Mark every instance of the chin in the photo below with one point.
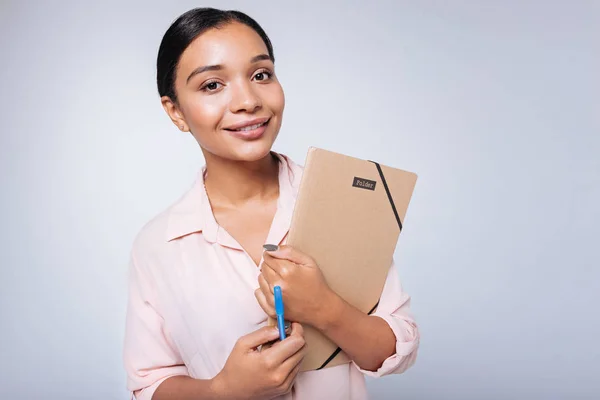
(237, 149)
(251, 151)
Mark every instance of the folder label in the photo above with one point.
(363, 183)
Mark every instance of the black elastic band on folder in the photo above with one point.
(337, 351)
(389, 195)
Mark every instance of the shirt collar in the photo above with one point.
(193, 213)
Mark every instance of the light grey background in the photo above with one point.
(494, 104)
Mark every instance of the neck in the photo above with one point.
(232, 183)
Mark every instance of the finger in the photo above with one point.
(264, 304)
(271, 277)
(295, 360)
(297, 329)
(266, 288)
(261, 336)
(290, 253)
(288, 332)
(289, 380)
(281, 266)
(282, 350)
(288, 371)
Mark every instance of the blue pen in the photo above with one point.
(279, 312)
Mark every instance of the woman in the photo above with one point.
(200, 281)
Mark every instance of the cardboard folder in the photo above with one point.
(348, 216)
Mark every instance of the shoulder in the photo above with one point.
(153, 238)
(152, 234)
(150, 245)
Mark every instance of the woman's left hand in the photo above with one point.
(304, 289)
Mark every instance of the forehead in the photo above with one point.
(231, 45)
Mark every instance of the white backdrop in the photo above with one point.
(494, 104)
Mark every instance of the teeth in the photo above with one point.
(251, 127)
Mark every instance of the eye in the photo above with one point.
(263, 75)
(211, 86)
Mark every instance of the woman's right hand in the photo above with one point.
(250, 373)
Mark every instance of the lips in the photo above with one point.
(249, 130)
(249, 125)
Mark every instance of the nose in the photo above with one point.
(244, 98)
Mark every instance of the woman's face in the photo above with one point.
(228, 95)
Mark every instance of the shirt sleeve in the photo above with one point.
(394, 308)
(149, 355)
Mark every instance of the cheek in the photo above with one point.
(277, 100)
(272, 98)
(204, 116)
(206, 112)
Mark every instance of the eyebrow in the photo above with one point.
(219, 67)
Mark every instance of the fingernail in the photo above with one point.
(270, 247)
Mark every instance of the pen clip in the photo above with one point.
(279, 311)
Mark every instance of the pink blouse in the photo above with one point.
(191, 296)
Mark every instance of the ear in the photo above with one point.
(174, 113)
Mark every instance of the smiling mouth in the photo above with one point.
(249, 127)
